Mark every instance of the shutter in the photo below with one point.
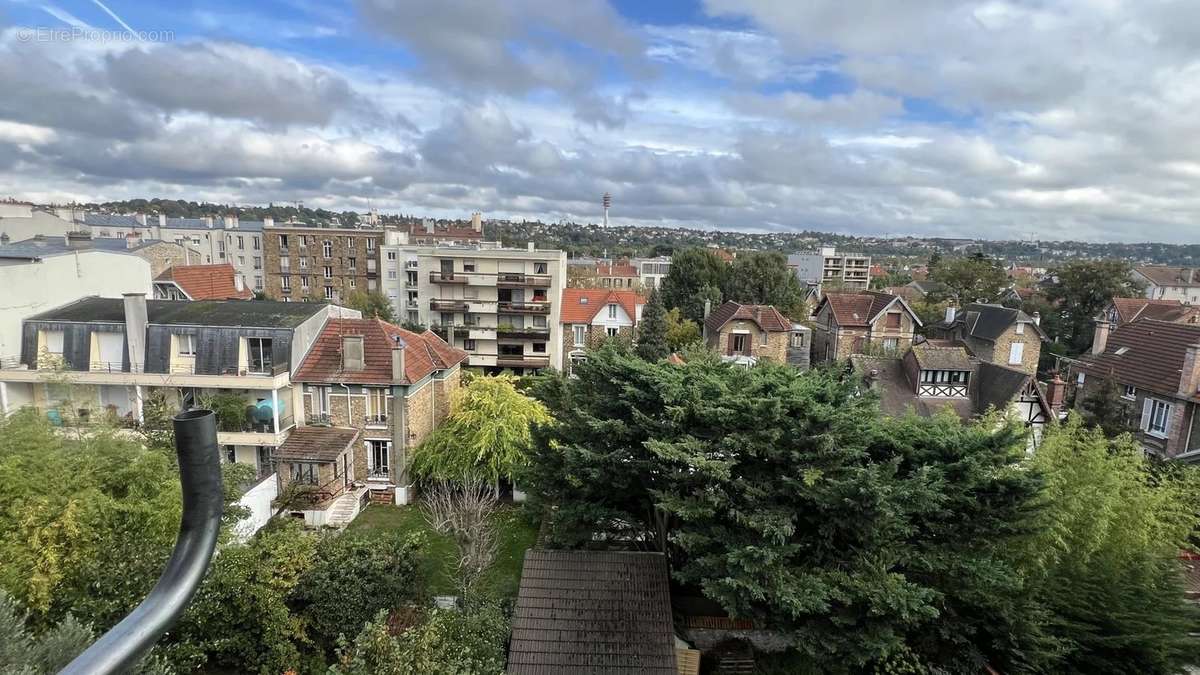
(1167, 420)
(729, 350)
(1145, 423)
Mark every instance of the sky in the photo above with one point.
(1003, 119)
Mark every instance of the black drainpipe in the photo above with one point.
(200, 479)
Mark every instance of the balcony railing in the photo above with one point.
(377, 420)
(448, 278)
(522, 361)
(251, 426)
(521, 279)
(448, 305)
(10, 363)
(538, 307)
(320, 419)
(526, 332)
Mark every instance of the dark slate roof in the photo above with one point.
(996, 386)
(249, 313)
(897, 395)
(941, 355)
(46, 247)
(766, 317)
(1161, 275)
(593, 612)
(109, 219)
(1151, 358)
(989, 321)
(316, 444)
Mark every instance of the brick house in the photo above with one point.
(201, 282)
(590, 316)
(1155, 366)
(994, 333)
(390, 386)
(320, 263)
(859, 323)
(748, 332)
(1121, 311)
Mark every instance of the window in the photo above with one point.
(304, 473)
(329, 292)
(285, 263)
(612, 331)
(370, 264)
(539, 322)
(1129, 392)
(469, 345)
(352, 264)
(890, 344)
(580, 332)
(377, 405)
(304, 241)
(221, 247)
(391, 255)
(242, 260)
(1016, 352)
(54, 341)
(391, 274)
(254, 242)
(797, 339)
(187, 344)
(893, 320)
(1156, 417)
(328, 272)
(230, 454)
(1080, 378)
(286, 283)
(378, 455)
(258, 263)
(304, 281)
(195, 241)
(539, 268)
(258, 283)
(539, 347)
(468, 265)
(259, 354)
(612, 311)
(283, 241)
(370, 244)
(350, 244)
(241, 243)
(327, 248)
(303, 262)
(738, 343)
(762, 337)
(353, 283)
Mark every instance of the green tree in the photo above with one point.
(22, 653)
(1051, 323)
(785, 497)
(485, 437)
(696, 275)
(1083, 290)
(1103, 556)
(681, 332)
(652, 330)
(467, 642)
(763, 278)
(1104, 408)
(353, 578)
(373, 305)
(970, 279)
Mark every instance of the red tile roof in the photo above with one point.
(765, 316)
(580, 305)
(423, 353)
(1151, 355)
(858, 309)
(207, 282)
(1129, 309)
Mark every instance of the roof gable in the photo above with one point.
(766, 317)
(1146, 353)
(580, 305)
(206, 282)
(424, 353)
(862, 309)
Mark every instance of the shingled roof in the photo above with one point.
(860, 309)
(580, 305)
(1147, 354)
(1170, 276)
(206, 282)
(593, 612)
(423, 353)
(989, 321)
(766, 317)
(1124, 310)
(315, 444)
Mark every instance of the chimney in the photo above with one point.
(707, 308)
(79, 240)
(1037, 318)
(1189, 376)
(207, 220)
(1056, 394)
(531, 246)
(162, 220)
(429, 225)
(132, 240)
(135, 330)
(397, 359)
(140, 218)
(477, 221)
(951, 312)
(1100, 336)
(268, 221)
(231, 221)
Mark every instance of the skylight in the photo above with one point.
(1121, 350)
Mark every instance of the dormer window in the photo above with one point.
(943, 383)
(583, 301)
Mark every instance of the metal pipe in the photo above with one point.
(200, 480)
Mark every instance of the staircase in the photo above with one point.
(345, 508)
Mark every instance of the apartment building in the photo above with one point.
(304, 263)
(383, 387)
(1170, 283)
(830, 268)
(499, 305)
(430, 232)
(652, 271)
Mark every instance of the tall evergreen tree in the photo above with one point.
(763, 278)
(652, 330)
(697, 275)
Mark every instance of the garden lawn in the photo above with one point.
(500, 580)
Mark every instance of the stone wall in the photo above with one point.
(345, 280)
(418, 410)
(1003, 345)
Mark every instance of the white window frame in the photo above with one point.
(1016, 353)
(613, 331)
(1129, 392)
(612, 310)
(579, 331)
(1156, 418)
(187, 344)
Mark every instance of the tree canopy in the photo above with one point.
(973, 278)
(1084, 289)
(652, 330)
(681, 332)
(485, 437)
(373, 305)
(763, 278)
(696, 275)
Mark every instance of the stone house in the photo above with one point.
(1155, 368)
(320, 263)
(861, 323)
(746, 333)
(391, 386)
(994, 333)
(590, 316)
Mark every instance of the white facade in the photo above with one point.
(826, 265)
(19, 221)
(33, 286)
(652, 271)
(1186, 292)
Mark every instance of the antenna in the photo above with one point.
(607, 201)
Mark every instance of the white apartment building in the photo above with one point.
(500, 305)
(652, 271)
(851, 271)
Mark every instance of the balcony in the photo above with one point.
(522, 361)
(511, 279)
(523, 333)
(320, 420)
(448, 305)
(469, 330)
(379, 421)
(540, 307)
(448, 278)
